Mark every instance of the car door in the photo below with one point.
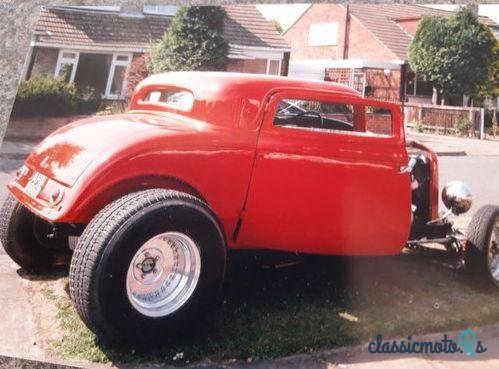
(328, 184)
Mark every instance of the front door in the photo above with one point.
(327, 177)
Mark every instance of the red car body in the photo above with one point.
(271, 187)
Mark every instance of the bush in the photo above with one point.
(88, 100)
(138, 71)
(419, 126)
(46, 96)
(463, 125)
(116, 107)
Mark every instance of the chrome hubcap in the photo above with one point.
(493, 254)
(163, 274)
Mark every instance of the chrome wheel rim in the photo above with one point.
(163, 274)
(493, 251)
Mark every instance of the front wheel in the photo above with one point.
(482, 247)
(146, 266)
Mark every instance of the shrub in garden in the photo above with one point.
(138, 71)
(46, 96)
(419, 126)
(463, 125)
(88, 100)
(116, 107)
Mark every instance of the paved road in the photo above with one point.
(472, 161)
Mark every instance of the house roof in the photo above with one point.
(380, 20)
(244, 26)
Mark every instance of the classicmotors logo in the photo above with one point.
(467, 344)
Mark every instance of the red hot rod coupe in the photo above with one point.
(205, 162)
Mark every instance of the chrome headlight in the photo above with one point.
(457, 197)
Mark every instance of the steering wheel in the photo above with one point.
(311, 113)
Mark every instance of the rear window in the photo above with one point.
(171, 98)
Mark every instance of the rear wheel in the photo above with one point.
(146, 266)
(30, 241)
(482, 248)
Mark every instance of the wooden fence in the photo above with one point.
(445, 119)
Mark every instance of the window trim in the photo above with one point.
(269, 60)
(112, 70)
(61, 60)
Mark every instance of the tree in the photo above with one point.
(138, 71)
(490, 89)
(194, 41)
(455, 54)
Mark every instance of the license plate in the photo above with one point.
(35, 184)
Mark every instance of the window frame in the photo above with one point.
(279, 61)
(397, 135)
(61, 60)
(112, 70)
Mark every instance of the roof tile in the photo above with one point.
(74, 27)
(380, 20)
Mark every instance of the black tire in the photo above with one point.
(479, 243)
(23, 238)
(97, 276)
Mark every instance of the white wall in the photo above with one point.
(309, 69)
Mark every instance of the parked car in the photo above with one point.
(146, 204)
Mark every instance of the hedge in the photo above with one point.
(46, 96)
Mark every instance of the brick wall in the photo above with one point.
(44, 61)
(379, 123)
(384, 87)
(361, 43)
(247, 65)
(409, 25)
(378, 84)
(297, 35)
(375, 122)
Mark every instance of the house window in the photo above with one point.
(116, 81)
(274, 66)
(323, 34)
(67, 61)
(417, 86)
(91, 68)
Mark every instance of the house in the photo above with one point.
(362, 45)
(95, 46)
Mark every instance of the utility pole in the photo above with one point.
(346, 37)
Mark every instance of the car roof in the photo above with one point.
(225, 98)
(218, 82)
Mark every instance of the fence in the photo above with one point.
(467, 121)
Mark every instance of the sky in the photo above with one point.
(286, 14)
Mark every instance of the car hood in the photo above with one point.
(67, 152)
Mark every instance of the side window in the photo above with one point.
(334, 117)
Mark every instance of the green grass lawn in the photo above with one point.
(319, 303)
